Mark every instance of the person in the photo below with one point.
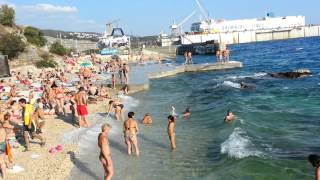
(126, 73)
(186, 57)
(105, 154)
(3, 142)
(113, 79)
(229, 116)
(29, 125)
(218, 56)
(93, 90)
(315, 162)
(171, 126)
(81, 102)
(227, 54)
(187, 113)
(147, 119)
(59, 95)
(190, 57)
(118, 109)
(130, 130)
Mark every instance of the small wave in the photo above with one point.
(298, 49)
(255, 75)
(129, 101)
(231, 84)
(238, 145)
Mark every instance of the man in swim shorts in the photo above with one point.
(81, 102)
(105, 154)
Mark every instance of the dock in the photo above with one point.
(141, 75)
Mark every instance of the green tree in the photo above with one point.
(11, 44)
(34, 36)
(7, 15)
(46, 62)
(59, 49)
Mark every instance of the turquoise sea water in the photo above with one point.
(277, 123)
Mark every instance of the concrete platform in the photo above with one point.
(196, 68)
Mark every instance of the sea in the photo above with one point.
(277, 121)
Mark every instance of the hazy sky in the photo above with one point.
(148, 17)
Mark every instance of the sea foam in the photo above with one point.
(231, 84)
(238, 145)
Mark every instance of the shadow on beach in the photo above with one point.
(82, 166)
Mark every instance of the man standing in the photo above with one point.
(28, 124)
(81, 101)
(105, 155)
(171, 126)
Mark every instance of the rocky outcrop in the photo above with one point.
(292, 74)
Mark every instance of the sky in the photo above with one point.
(148, 17)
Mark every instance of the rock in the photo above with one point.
(292, 74)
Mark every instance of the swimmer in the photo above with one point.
(187, 113)
(229, 116)
(315, 161)
(147, 119)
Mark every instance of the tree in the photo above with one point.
(46, 62)
(59, 49)
(7, 15)
(34, 36)
(11, 44)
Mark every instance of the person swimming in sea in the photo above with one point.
(187, 113)
(315, 162)
(229, 117)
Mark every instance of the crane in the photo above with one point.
(175, 28)
(109, 25)
(203, 11)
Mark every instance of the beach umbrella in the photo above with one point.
(86, 64)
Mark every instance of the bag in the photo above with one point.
(9, 152)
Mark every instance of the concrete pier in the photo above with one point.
(196, 68)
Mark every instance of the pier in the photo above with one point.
(142, 74)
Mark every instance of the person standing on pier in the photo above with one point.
(105, 154)
(190, 57)
(186, 59)
(171, 134)
(218, 56)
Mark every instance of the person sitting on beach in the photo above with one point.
(147, 119)
(29, 125)
(81, 101)
(187, 113)
(229, 117)
(105, 154)
(93, 90)
(130, 131)
(171, 134)
(315, 162)
(103, 92)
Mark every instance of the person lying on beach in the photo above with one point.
(147, 119)
(229, 117)
(187, 113)
(171, 134)
(105, 154)
(103, 92)
(130, 131)
(315, 162)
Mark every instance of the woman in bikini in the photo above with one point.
(59, 94)
(130, 131)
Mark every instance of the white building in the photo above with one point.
(221, 26)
